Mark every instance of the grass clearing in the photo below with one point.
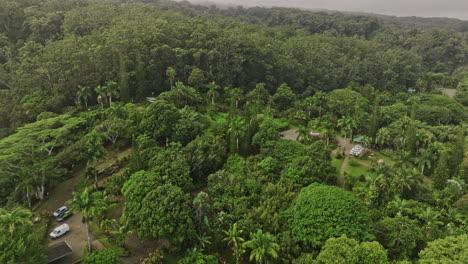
(357, 171)
(337, 163)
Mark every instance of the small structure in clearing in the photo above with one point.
(356, 150)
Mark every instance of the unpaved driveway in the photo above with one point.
(346, 146)
(291, 134)
(76, 238)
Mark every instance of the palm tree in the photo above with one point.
(94, 151)
(347, 124)
(84, 93)
(234, 239)
(14, 219)
(303, 134)
(111, 89)
(405, 179)
(90, 204)
(212, 91)
(400, 206)
(101, 92)
(263, 246)
(424, 159)
(404, 158)
(26, 185)
(117, 229)
(237, 129)
(236, 95)
(171, 74)
(319, 99)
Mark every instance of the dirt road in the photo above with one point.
(346, 146)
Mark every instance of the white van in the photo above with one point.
(59, 231)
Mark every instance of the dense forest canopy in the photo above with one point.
(224, 135)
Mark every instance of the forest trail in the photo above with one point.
(341, 178)
(345, 146)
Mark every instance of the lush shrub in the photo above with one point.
(106, 256)
(320, 212)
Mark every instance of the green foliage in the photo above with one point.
(169, 167)
(268, 131)
(159, 120)
(320, 212)
(263, 247)
(21, 240)
(194, 256)
(105, 256)
(154, 210)
(284, 97)
(350, 251)
(401, 236)
(441, 172)
(447, 250)
(345, 102)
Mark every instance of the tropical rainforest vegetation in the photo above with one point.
(199, 97)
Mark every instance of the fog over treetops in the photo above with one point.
(424, 8)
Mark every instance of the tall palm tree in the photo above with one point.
(89, 204)
(212, 91)
(26, 186)
(234, 239)
(405, 179)
(236, 95)
(94, 151)
(263, 246)
(303, 135)
(111, 89)
(237, 129)
(347, 124)
(319, 99)
(84, 93)
(171, 74)
(14, 219)
(404, 158)
(101, 94)
(424, 159)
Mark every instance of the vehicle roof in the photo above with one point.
(61, 226)
(63, 207)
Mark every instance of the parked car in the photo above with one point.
(60, 211)
(64, 215)
(59, 231)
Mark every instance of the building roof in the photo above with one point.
(58, 251)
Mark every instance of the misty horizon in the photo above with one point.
(421, 8)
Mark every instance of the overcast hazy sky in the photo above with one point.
(425, 8)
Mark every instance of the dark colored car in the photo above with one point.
(64, 215)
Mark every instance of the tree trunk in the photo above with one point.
(212, 100)
(27, 197)
(89, 238)
(86, 103)
(95, 177)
